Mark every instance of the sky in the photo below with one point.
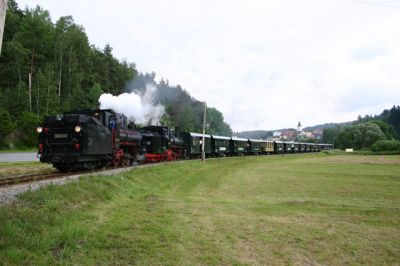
(263, 64)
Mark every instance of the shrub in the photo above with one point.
(386, 145)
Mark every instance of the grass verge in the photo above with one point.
(297, 209)
(20, 168)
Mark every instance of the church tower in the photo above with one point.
(299, 129)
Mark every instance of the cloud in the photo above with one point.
(369, 53)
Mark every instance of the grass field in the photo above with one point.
(298, 209)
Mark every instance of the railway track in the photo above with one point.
(13, 180)
(21, 179)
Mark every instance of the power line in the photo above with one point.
(373, 3)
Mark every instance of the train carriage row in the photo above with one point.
(234, 146)
(89, 139)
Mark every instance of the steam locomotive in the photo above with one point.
(89, 139)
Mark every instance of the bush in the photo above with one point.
(386, 145)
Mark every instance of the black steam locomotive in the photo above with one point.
(90, 139)
(162, 144)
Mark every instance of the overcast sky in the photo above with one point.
(264, 64)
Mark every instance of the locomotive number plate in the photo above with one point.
(60, 136)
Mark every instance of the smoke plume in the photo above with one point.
(138, 107)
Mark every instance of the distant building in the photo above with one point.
(308, 134)
(289, 134)
(318, 133)
(299, 128)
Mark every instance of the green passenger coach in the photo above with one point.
(194, 144)
(220, 145)
(238, 146)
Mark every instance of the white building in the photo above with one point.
(299, 128)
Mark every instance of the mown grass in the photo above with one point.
(20, 168)
(361, 152)
(300, 209)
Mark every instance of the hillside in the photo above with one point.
(328, 125)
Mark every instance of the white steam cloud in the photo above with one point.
(139, 108)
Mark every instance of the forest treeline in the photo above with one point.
(48, 68)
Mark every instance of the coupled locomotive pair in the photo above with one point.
(90, 139)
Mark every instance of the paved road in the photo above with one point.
(18, 157)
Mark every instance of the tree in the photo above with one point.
(329, 134)
(26, 132)
(387, 129)
(394, 118)
(92, 97)
(216, 124)
(166, 120)
(186, 123)
(359, 136)
(36, 33)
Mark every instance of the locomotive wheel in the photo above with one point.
(115, 162)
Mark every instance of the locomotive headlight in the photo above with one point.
(78, 129)
(39, 130)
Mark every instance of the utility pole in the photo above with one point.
(203, 153)
(3, 10)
